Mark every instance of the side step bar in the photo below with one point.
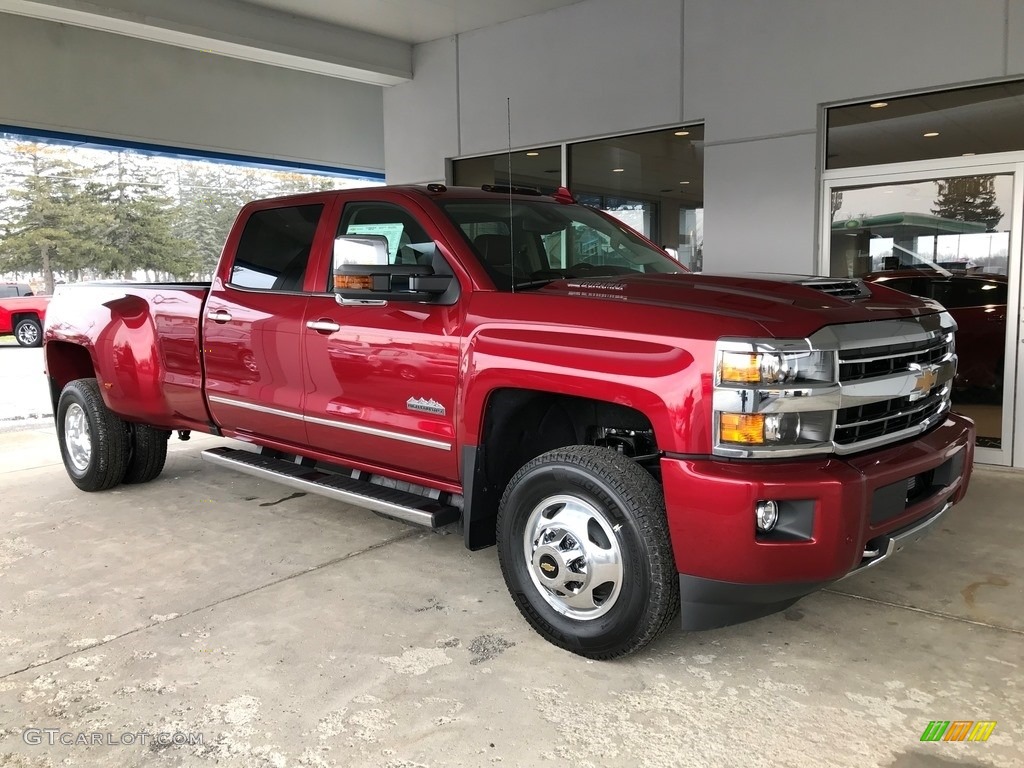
(408, 507)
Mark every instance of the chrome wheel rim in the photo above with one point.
(28, 334)
(77, 438)
(573, 556)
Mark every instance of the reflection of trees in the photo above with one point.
(968, 198)
(837, 203)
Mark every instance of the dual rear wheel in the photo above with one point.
(98, 448)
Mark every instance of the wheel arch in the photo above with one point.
(66, 362)
(517, 425)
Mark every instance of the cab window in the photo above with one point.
(274, 249)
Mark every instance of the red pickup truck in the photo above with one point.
(633, 438)
(22, 314)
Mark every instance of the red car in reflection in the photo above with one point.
(978, 304)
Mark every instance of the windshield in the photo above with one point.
(527, 244)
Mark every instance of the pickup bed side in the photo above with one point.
(142, 344)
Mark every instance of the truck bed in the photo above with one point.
(144, 344)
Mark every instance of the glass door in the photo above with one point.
(952, 234)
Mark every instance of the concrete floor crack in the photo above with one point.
(926, 612)
(305, 571)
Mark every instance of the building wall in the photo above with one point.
(63, 78)
(754, 72)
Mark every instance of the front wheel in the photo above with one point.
(28, 332)
(584, 548)
(93, 440)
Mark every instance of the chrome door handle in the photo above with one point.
(219, 315)
(323, 325)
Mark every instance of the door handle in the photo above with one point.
(219, 315)
(325, 326)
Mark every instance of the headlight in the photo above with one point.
(769, 367)
(775, 429)
(774, 397)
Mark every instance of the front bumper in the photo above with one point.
(838, 516)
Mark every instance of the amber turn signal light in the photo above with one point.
(740, 368)
(353, 282)
(742, 428)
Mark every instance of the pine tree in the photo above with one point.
(968, 198)
(52, 226)
(141, 234)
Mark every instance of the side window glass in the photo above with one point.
(274, 249)
(408, 242)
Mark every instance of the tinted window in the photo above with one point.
(274, 249)
(971, 292)
(530, 243)
(408, 242)
(6, 291)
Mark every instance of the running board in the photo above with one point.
(408, 507)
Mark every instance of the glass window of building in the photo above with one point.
(654, 182)
(537, 168)
(965, 121)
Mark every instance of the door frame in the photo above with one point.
(1012, 452)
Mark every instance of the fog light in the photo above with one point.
(767, 514)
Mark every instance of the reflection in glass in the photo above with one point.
(539, 168)
(963, 121)
(654, 182)
(945, 239)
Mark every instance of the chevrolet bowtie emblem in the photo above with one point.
(926, 380)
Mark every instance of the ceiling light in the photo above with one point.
(931, 134)
(684, 182)
(969, 154)
(682, 133)
(618, 170)
(878, 104)
(532, 154)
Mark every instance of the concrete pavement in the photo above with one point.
(288, 630)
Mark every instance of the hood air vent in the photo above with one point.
(844, 289)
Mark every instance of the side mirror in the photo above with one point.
(362, 273)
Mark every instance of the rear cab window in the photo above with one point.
(274, 249)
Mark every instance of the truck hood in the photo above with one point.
(784, 304)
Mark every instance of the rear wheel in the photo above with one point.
(28, 332)
(93, 441)
(148, 453)
(584, 549)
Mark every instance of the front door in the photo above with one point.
(381, 381)
(949, 232)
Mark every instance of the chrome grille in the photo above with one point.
(895, 358)
(910, 413)
(886, 417)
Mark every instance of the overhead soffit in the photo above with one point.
(412, 21)
(367, 41)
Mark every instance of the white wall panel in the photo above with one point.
(71, 79)
(1015, 38)
(759, 206)
(761, 68)
(421, 126)
(596, 67)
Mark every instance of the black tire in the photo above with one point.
(634, 528)
(28, 332)
(148, 454)
(107, 435)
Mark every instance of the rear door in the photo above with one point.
(381, 381)
(253, 323)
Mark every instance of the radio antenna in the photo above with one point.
(511, 232)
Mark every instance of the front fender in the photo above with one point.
(661, 381)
